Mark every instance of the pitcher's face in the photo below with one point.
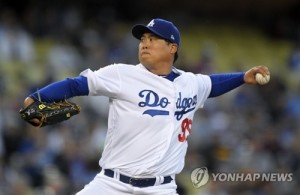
(154, 50)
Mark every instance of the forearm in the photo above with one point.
(61, 90)
(223, 83)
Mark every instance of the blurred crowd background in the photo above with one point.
(251, 129)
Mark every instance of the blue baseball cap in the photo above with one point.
(162, 28)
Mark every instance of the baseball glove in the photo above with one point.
(49, 113)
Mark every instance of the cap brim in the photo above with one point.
(139, 29)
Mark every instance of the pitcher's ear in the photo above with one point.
(174, 48)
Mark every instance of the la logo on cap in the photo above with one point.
(151, 24)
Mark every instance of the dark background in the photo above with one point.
(278, 18)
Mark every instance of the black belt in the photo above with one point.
(137, 182)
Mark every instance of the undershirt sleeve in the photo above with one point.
(65, 89)
(223, 83)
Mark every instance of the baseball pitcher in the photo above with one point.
(152, 105)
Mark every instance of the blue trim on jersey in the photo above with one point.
(223, 83)
(64, 89)
(172, 76)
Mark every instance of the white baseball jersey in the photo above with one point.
(149, 118)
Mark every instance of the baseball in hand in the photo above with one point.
(262, 80)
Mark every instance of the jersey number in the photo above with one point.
(186, 127)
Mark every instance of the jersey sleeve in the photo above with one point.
(103, 82)
(204, 88)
